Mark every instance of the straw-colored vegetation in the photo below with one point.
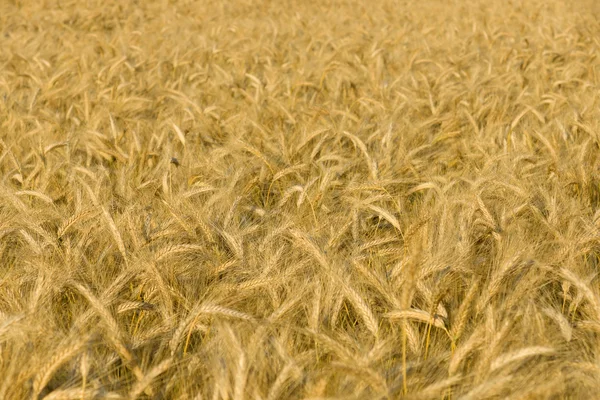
(299, 199)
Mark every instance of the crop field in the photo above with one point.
(337, 199)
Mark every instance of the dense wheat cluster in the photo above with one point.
(299, 199)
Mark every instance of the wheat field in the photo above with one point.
(302, 199)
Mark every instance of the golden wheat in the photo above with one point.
(294, 199)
